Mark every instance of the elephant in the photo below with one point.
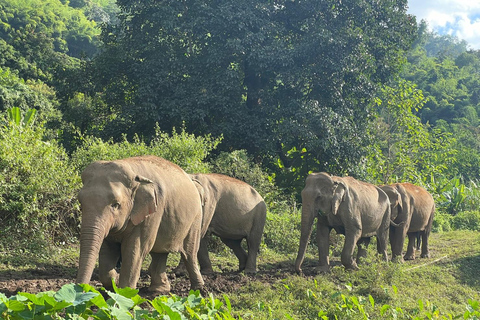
(357, 209)
(132, 207)
(414, 209)
(232, 210)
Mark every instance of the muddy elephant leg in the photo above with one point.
(189, 253)
(203, 257)
(410, 255)
(132, 258)
(323, 243)
(362, 246)
(425, 252)
(107, 261)
(253, 241)
(158, 273)
(351, 239)
(236, 246)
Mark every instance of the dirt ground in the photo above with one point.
(49, 277)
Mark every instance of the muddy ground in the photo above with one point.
(50, 277)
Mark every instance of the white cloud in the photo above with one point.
(460, 18)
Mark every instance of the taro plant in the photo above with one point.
(74, 301)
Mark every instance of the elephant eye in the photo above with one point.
(116, 205)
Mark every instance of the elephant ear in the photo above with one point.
(339, 192)
(145, 201)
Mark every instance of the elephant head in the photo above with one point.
(112, 198)
(395, 198)
(324, 194)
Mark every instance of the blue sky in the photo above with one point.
(460, 18)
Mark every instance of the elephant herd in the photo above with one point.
(148, 205)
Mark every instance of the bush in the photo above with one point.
(183, 149)
(37, 184)
(442, 222)
(466, 220)
(239, 165)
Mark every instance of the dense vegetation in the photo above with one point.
(263, 91)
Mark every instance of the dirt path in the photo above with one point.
(45, 278)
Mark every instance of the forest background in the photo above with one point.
(265, 91)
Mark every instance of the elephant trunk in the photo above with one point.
(91, 239)
(308, 215)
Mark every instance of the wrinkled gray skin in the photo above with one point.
(414, 209)
(233, 211)
(357, 209)
(133, 207)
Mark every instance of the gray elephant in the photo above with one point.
(233, 211)
(133, 207)
(357, 209)
(414, 209)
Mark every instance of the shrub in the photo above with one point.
(37, 184)
(183, 149)
(442, 222)
(466, 220)
(239, 165)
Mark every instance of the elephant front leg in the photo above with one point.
(133, 254)
(158, 273)
(108, 258)
(351, 239)
(323, 243)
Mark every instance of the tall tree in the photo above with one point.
(268, 75)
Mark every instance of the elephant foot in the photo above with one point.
(160, 289)
(409, 257)
(180, 271)
(425, 255)
(398, 259)
(207, 271)
(323, 269)
(352, 267)
(250, 271)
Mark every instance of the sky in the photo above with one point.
(460, 18)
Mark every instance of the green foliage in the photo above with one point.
(36, 35)
(406, 149)
(37, 184)
(240, 165)
(15, 92)
(186, 150)
(282, 230)
(75, 301)
(268, 77)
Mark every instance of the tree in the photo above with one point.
(268, 75)
(406, 149)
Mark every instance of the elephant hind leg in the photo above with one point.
(410, 255)
(362, 246)
(425, 252)
(203, 257)
(236, 246)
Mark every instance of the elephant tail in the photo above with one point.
(396, 225)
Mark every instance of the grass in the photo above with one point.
(438, 287)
